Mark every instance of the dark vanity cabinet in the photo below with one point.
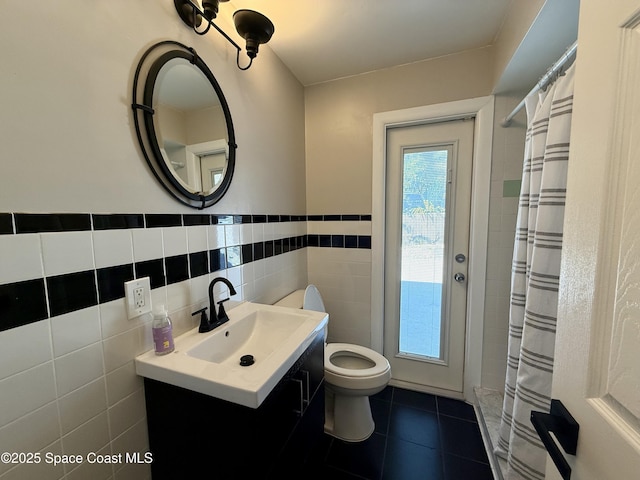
(192, 435)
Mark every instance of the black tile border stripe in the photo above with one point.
(6, 224)
(117, 221)
(29, 301)
(52, 222)
(72, 222)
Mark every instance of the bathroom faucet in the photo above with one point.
(220, 317)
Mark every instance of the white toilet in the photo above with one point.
(352, 373)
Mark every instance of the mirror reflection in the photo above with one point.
(190, 126)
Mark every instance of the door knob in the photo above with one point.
(459, 277)
(460, 258)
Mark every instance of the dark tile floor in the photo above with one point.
(417, 436)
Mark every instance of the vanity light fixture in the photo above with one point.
(254, 27)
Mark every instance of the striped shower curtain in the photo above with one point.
(535, 278)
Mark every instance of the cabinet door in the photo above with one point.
(306, 437)
(312, 369)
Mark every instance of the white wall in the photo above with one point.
(339, 151)
(66, 119)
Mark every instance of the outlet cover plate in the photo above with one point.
(141, 303)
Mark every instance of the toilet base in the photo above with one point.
(348, 418)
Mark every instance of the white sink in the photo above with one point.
(258, 334)
(209, 363)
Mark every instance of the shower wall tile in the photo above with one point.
(506, 172)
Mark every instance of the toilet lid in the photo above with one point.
(381, 364)
(313, 299)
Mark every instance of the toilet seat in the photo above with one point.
(380, 367)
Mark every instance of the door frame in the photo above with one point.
(482, 109)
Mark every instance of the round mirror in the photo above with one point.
(184, 124)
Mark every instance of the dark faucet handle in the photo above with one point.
(222, 314)
(205, 326)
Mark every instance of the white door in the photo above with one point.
(428, 199)
(597, 367)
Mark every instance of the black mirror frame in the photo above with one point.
(143, 115)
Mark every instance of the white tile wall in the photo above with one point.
(197, 239)
(508, 155)
(343, 276)
(25, 347)
(23, 260)
(147, 244)
(174, 240)
(112, 247)
(68, 384)
(75, 330)
(67, 252)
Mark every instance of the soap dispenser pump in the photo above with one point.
(162, 331)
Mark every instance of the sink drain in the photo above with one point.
(246, 360)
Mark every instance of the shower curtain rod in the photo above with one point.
(543, 81)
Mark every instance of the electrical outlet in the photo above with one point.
(138, 297)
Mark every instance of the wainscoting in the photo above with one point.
(67, 374)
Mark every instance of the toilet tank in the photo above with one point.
(293, 300)
(296, 300)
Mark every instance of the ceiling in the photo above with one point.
(321, 40)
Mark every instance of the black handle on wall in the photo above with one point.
(563, 425)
